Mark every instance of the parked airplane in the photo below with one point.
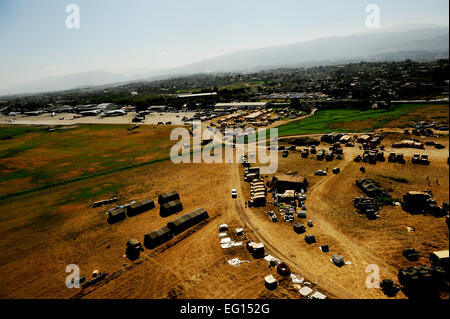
(33, 113)
(90, 113)
(115, 113)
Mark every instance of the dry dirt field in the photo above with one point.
(359, 240)
(45, 230)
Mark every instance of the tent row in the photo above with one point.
(121, 212)
(180, 224)
(169, 204)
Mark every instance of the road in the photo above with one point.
(269, 238)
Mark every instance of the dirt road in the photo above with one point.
(348, 282)
(282, 249)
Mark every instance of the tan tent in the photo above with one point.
(288, 181)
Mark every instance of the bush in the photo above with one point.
(397, 179)
(384, 200)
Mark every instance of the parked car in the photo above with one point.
(321, 173)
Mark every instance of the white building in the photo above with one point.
(241, 105)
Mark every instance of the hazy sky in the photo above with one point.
(140, 35)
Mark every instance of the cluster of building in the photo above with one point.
(102, 110)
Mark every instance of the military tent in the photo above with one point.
(364, 139)
(157, 237)
(370, 187)
(140, 207)
(171, 208)
(186, 221)
(282, 182)
(116, 215)
(168, 197)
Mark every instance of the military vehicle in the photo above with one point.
(320, 155)
(370, 187)
(389, 288)
(380, 157)
(310, 239)
(299, 228)
(422, 203)
(415, 159)
(424, 160)
(329, 157)
(400, 159)
(392, 158)
(419, 282)
(366, 206)
(134, 248)
(411, 254)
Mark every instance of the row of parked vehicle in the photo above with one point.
(375, 156)
(420, 159)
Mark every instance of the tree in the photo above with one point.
(295, 104)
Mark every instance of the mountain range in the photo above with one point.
(426, 43)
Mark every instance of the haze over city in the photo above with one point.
(139, 39)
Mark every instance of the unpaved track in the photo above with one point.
(252, 224)
(348, 282)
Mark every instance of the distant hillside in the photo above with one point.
(427, 43)
(71, 81)
(406, 44)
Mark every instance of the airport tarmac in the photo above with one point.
(70, 119)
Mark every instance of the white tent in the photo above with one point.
(305, 291)
(318, 295)
(225, 240)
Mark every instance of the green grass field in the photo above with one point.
(348, 120)
(36, 159)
